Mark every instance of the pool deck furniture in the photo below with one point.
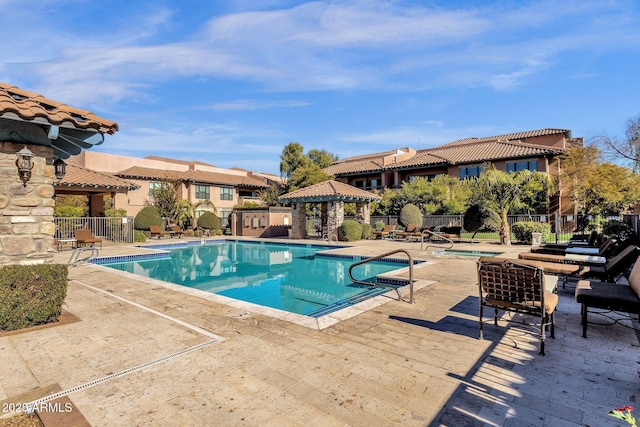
(84, 237)
(61, 244)
(412, 231)
(505, 284)
(157, 231)
(602, 250)
(618, 296)
(387, 231)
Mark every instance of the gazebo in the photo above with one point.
(332, 195)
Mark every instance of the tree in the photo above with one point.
(628, 149)
(322, 158)
(270, 196)
(185, 213)
(291, 158)
(597, 187)
(306, 175)
(165, 198)
(503, 192)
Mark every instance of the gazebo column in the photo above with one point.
(363, 212)
(299, 221)
(335, 217)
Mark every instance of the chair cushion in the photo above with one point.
(610, 296)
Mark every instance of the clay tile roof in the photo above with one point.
(514, 136)
(474, 153)
(31, 107)
(194, 176)
(329, 190)
(82, 177)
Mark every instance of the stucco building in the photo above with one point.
(536, 150)
(196, 181)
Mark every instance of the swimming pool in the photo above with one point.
(296, 278)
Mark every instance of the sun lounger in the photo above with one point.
(578, 249)
(157, 231)
(412, 231)
(386, 231)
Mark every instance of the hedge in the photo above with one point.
(31, 295)
(350, 231)
(523, 231)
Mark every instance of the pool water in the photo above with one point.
(294, 278)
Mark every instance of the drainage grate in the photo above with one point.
(31, 406)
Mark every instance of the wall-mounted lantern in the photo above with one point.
(24, 164)
(60, 168)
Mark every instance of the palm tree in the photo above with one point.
(503, 192)
(186, 211)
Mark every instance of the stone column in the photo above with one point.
(26, 212)
(363, 212)
(335, 217)
(299, 221)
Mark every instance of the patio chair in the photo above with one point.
(178, 231)
(157, 231)
(84, 237)
(386, 231)
(507, 285)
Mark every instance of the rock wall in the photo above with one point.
(26, 212)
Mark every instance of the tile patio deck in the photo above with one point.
(142, 354)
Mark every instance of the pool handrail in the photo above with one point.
(382, 285)
(438, 235)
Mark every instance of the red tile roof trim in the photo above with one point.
(30, 106)
(327, 191)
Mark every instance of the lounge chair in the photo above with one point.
(84, 237)
(505, 284)
(157, 231)
(597, 258)
(577, 249)
(411, 231)
(176, 230)
(386, 231)
(607, 272)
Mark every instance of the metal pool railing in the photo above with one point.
(112, 230)
(381, 285)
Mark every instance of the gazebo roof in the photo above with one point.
(329, 191)
(43, 121)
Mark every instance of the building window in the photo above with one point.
(224, 218)
(226, 193)
(522, 165)
(155, 186)
(203, 192)
(470, 171)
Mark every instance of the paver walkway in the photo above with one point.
(146, 355)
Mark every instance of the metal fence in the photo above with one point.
(112, 230)
(562, 226)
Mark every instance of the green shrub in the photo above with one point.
(138, 236)
(31, 295)
(410, 214)
(618, 229)
(350, 231)
(522, 231)
(118, 213)
(68, 211)
(379, 225)
(146, 217)
(210, 221)
(366, 231)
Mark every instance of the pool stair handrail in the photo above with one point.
(382, 285)
(433, 233)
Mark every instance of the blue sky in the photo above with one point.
(232, 82)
